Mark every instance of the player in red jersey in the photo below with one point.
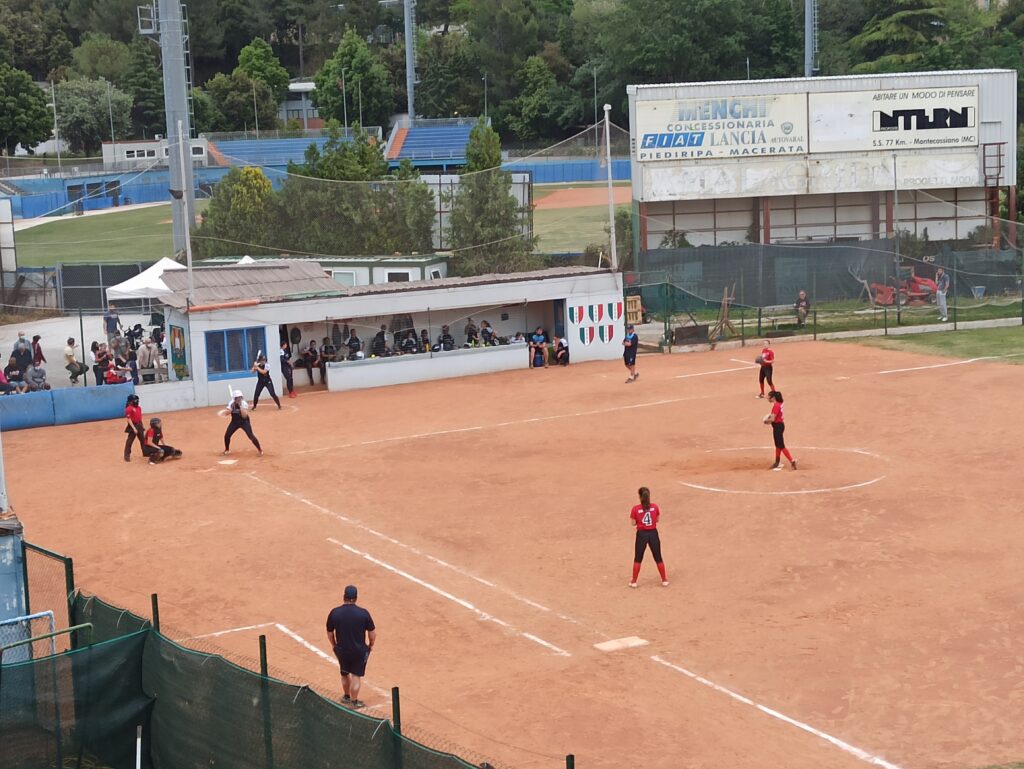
(645, 517)
(777, 420)
(766, 359)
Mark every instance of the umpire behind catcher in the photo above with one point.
(352, 634)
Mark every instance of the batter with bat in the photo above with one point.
(263, 381)
(238, 410)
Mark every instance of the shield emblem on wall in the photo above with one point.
(607, 333)
(587, 335)
(614, 310)
(596, 312)
(576, 314)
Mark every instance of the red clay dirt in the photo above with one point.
(582, 197)
(886, 614)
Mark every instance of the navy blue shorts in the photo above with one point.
(352, 663)
(629, 360)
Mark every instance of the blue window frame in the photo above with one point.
(231, 353)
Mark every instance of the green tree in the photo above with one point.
(84, 116)
(117, 18)
(145, 83)
(25, 116)
(208, 118)
(485, 220)
(241, 100)
(257, 60)
(899, 35)
(451, 77)
(363, 74)
(542, 106)
(504, 35)
(101, 57)
(33, 37)
(237, 215)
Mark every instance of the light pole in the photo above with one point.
(485, 95)
(186, 148)
(595, 95)
(359, 83)
(110, 112)
(344, 99)
(56, 128)
(611, 194)
(255, 111)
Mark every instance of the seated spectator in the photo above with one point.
(487, 335)
(311, 361)
(538, 349)
(6, 388)
(355, 346)
(71, 363)
(37, 351)
(410, 346)
(802, 307)
(328, 354)
(519, 338)
(148, 357)
(131, 367)
(424, 341)
(379, 347)
(35, 378)
(561, 351)
(15, 376)
(114, 374)
(22, 353)
(445, 340)
(472, 334)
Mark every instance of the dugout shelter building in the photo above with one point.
(238, 310)
(825, 159)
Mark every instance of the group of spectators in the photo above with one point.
(24, 371)
(128, 355)
(385, 344)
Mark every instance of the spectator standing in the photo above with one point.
(379, 346)
(354, 345)
(20, 342)
(71, 363)
(472, 333)
(148, 357)
(36, 379)
(286, 369)
(15, 376)
(941, 287)
(802, 307)
(111, 322)
(37, 351)
(131, 367)
(487, 335)
(352, 635)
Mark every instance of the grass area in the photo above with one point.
(559, 230)
(543, 190)
(969, 343)
(139, 235)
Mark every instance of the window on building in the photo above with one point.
(398, 277)
(344, 277)
(129, 154)
(152, 153)
(295, 114)
(231, 353)
(313, 112)
(197, 151)
(435, 274)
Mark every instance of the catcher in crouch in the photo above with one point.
(154, 446)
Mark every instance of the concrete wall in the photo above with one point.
(380, 372)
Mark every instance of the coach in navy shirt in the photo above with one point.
(352, 634)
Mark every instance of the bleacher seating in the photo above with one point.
(424, 142)
(266, 152)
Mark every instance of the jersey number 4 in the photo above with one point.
(646, 520)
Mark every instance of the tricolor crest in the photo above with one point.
(614, 310)
(596, 312)
(576, 314)
(607, 333)
(587, 334)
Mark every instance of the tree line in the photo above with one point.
(540, 66)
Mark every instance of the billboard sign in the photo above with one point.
(888, 120)
(726, 127)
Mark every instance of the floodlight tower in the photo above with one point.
(166, 19)
(810, 37)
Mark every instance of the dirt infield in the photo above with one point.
(863, 610)
(582, 197)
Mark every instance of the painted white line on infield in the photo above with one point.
(784, 493)
(746, 363)
(454, 599)
(617, 644)
(510, 423)
(411, 549)
(233, 630)
(863, 755)
(953, 363)
(333, 661)
(708, 373)
(865, 452)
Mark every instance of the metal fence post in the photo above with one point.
(815, 325)
(743, 332)
(69, 587)
(268, 734)
(570, 761)
(885, 319)
(955, 300)
(156, 612)
(396, 725)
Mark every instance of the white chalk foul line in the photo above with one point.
(784, 493)
(234, 630)
(511, 423)
(411, 549)
(952, 363)
(454, 599)
(863, 755)
(746, 363)
(708, 373)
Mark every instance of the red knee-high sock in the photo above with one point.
(777, 452)
(786, 452)
(661, 571)
(636, 571)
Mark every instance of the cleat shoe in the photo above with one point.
(761, 395)
(357, 704)
(794, 464)
(775, 467)
(665, 583)
(632, 584)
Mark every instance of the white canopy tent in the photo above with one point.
(146, 285)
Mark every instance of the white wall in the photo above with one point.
(596, 328)
(380, 372)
